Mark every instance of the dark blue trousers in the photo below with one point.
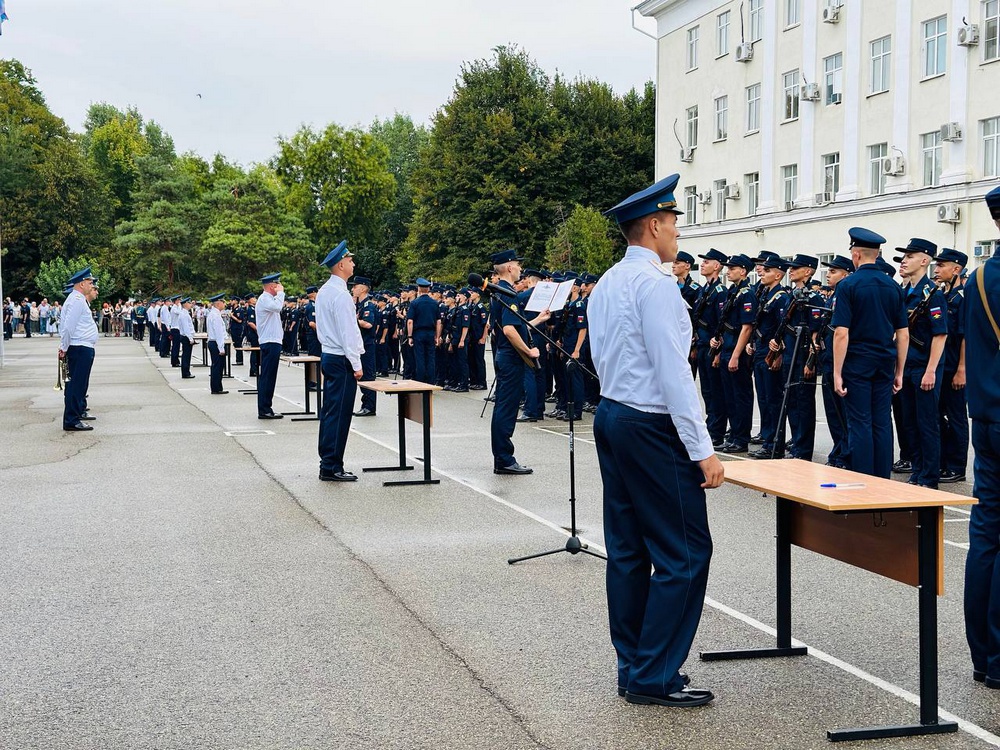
(869, 420)
(509, 392)
(922, 421)
(368, 373)
(154, 337)
(737, 388)
(424, 357)
(406, 353)
(79, 361)
(164, 350)
(836, 420)
(982, 563)
(186, 346)
(218, 362)
(460, 360)
(270, 355)
(654, 517)
(236, 334)
(713, 394)
(339, 390)
(954, 427)
(769, 391)
(534, 392)
(175, 347)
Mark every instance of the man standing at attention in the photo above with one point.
(270, 335)
(340, 338)
(77, 336)
(216, 342)
(655, 454)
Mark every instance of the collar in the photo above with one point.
(637, 252)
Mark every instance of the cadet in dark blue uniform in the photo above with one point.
(952, 410)
(423, 329)
(836, 417)
(237, 318)
(534, 378)
(367, 319)
(477, 342)
(738, 314)
(869, 349)
(573, 336)
(705, 317)
(460, 322)
(690, 289)
(773, 300)
(251, 333)
(982, 563)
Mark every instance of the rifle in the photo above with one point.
(918, 311)
(696, 314)
(773, 358)
(721, 328)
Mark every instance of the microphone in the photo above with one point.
(478, 282)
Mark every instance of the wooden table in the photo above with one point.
(416, 410)
(250, 391)
(886, 527)
(307, 360)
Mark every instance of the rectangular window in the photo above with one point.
(831, 174)
(722, 34)
(756, 20)
(833, 84)
(991, 147)
(691, 204)
(692, 127)
(753, 192)
(719, 188)
(881, 50)
(722, 118)
(876, 179)
(790, 183)
(935, 46)
(991, 30)
(930, 147)
(753, 108)
(692, 48)
(792, 12)
(790, 85)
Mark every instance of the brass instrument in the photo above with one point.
(62, 372)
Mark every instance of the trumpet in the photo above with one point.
(62, 373)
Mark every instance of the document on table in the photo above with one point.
(549, 295)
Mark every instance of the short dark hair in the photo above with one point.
(633, 228)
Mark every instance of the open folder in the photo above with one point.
(549, 295)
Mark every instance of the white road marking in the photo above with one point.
(960, 545)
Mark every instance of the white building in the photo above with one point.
(803, 118)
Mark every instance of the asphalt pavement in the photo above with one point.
(179, 578)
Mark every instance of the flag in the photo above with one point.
(3, 14)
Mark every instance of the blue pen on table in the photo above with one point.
(842, 486)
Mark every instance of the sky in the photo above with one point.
(263, 69)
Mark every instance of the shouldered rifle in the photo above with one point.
(696, 314)
(734, 292)
(918, 311)
(774, 357)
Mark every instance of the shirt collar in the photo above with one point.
(338, 282)
(637, 252)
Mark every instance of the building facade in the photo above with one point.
(792, 120)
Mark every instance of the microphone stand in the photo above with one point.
(573, 545)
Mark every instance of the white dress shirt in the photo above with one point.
(337, 322)
(175, 316)
(640, 339)
(77, 327)
(185, 326)
(217, 329)
(269, 329)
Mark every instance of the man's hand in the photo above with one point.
(533, 352)
(482, 341)
(358, 374)
(575, 355)
(897, 383)
(838, 385)
(734, 362)
(711, 467)
(62, 354)
(927, 381)
(958, 381)
(279, 288)
(715, 361)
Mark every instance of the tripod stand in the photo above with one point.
(779, 438)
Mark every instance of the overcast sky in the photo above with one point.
(265, 68)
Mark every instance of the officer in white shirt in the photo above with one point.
(165, 309)
(78, 334)
(185, 327)
(176, 310)
(655, 455)
(340, 339)
(216, 341)
(270, 334)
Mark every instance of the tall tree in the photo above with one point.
(582, 242)
(53, 275)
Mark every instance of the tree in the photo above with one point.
(115, 149)
(582, 242)
(52, 276)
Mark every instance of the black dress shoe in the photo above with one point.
(951, 476)
(524, 418)
(978, 676)
(760, 454)
(87, 417)
(364, 413)
(685, 698)
(902, 467)
(78, 427)
(991, 683)
(187, 377)
(514, 468)
(337, 476)
(219, 393)
(757, 439)
(272, 415)
(460, 390)
(733, 448)
(686, 678)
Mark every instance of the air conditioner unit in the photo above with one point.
(893, 166)
(949, 213)
(810, 92)
(831, 13)
(836, 98)
(687, 155)
(732, 192)
(968, 35)
(951, 131)
(823, 199)
(978, 251)
(789, 205)
(705, 198)
(744, 52)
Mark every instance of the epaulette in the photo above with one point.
(662, 268)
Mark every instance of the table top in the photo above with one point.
(798, 480)
(398, 386)
(299, 358)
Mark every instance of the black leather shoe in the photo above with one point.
(951, 476)
(733, 448)
(686, 698)
(514, 468)
(757, 439)
(759, 454)
(991, 683)
(272, 415)
(78, 427)
(364, 413)
(87, 417)
(978, 676)
(523, 418)
(219, 393)
(337, 476)
(687, 681)
(460, 390)
(187, 377)
(902, 467)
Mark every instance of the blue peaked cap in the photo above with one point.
(271, 279)
(657, 197)
(865, 238)
(216, 297)
(336, 255)
(79, 276)
(841, 262)
(953, 256)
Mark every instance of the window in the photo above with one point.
(881, 57)
(719, 188)
(833, 67)
(753, 108)
(790, 183)
(691, 204)
(722, 118)
(790, 84)
(831, 173)
(935, 46)
(876, 180)
(930, 146)
(692, 127)
(753, 192)
(792, 12)
(692, 48)
(756, 20)
(991, 30)
(722, 34)
(991, 147)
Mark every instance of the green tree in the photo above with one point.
(115, 149)
(582, 242)
(52, 276)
